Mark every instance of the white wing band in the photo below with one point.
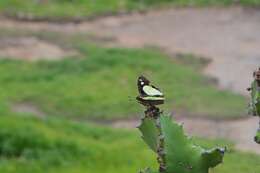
(151, 91)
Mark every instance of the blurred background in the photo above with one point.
(68, 71)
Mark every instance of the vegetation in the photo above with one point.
(257, 137)
(32, 146)
(47, 146)
(98, 82)
(254, 105)
(176, 152)
(81, 9)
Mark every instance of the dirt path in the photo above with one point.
(31, 49)
(230, 37)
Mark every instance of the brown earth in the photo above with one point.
(31, 48)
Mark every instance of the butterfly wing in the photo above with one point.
(151, 91)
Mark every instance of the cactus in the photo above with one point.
(175, 151)
(254, 105)
(257, 137)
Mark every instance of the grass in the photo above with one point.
(81, 9)
(29, 145)
(36, 146)
(101, 84)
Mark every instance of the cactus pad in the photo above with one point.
(181, 155)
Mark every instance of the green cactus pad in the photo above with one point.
(257, 137)
(150, 132)
(255, 99)
(182, 156)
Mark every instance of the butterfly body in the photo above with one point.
(149, 94)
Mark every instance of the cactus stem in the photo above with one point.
(154, 112)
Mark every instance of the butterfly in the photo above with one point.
(149, 94)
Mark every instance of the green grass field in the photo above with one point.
(81, 9)
(47, 146)
(100, 83)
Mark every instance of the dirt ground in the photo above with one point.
(31, 49)
(230, 37)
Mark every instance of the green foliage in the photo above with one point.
(150, 133)
(180, 152)
(55, 145)
(250, 2)
(254, 106)
(147, 170)
(81, 9)
(257, 137)
(184, 2)
(98, 83)
(33, 146)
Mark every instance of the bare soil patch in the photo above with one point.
(31, 48)
(25, 107)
